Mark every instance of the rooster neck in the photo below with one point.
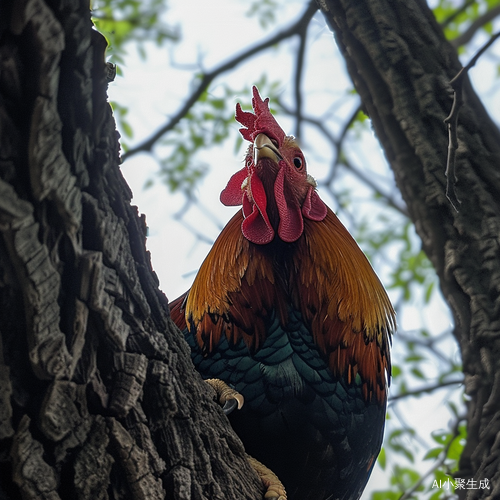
(280, 253)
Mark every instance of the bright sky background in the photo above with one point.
(154, 90)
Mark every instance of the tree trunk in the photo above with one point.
(98, 396)
(401, 65)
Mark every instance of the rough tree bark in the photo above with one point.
(98, 396)
(401, 66)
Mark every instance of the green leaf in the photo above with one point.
(436, 495)
(405, 478)
(218, 103)
(265, 11)
(414, 357)
(428, 291)
(127, 129)
(398, 442)
(125, 22)
(382, 459)
(441, 437)
(418, 373)
(385, 495)
(433, 453)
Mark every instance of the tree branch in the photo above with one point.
(337, 145)
(457, 12)
(467, 35)
(365, 177)
(452, 121)
(424, 390)
(299, 68)
(429, 343)
(207, 78)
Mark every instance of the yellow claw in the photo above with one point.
(274, 487)
(225, 394)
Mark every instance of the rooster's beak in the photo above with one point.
(264, 148)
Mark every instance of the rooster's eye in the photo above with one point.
(297, 161)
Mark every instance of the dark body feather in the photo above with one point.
(301, 330)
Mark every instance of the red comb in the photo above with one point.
(262, 122)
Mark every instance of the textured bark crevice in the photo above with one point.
(401, 66)
(98, 395)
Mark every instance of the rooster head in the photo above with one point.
(274, 187)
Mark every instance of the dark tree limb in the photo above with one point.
(452, 121)
(299, 70)
(401, 65)
(207, 78)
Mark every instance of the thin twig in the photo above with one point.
(406, 426)
(339, 145)
(179, 216)
(207, 78)
(347, 126)
(457, 12)
(452, 121)
(408, 336)
(479, 53)
(476, 25)
(424, 390)
(365, 177)
(299, 69)
(429, 343)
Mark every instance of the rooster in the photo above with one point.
(288, 311)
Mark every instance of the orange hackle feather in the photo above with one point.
(343, 300)
(330, 282)
(233, 293)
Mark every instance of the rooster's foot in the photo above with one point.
(274, 487)
(228, 398)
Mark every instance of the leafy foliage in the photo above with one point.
(438, 482)
(265, 11)
(132, 22)
(127, 23)
(457, 19)
(206, 125)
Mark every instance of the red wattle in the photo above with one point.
(256, 226)
(291, 223)
(313, 207)
(232, 194)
